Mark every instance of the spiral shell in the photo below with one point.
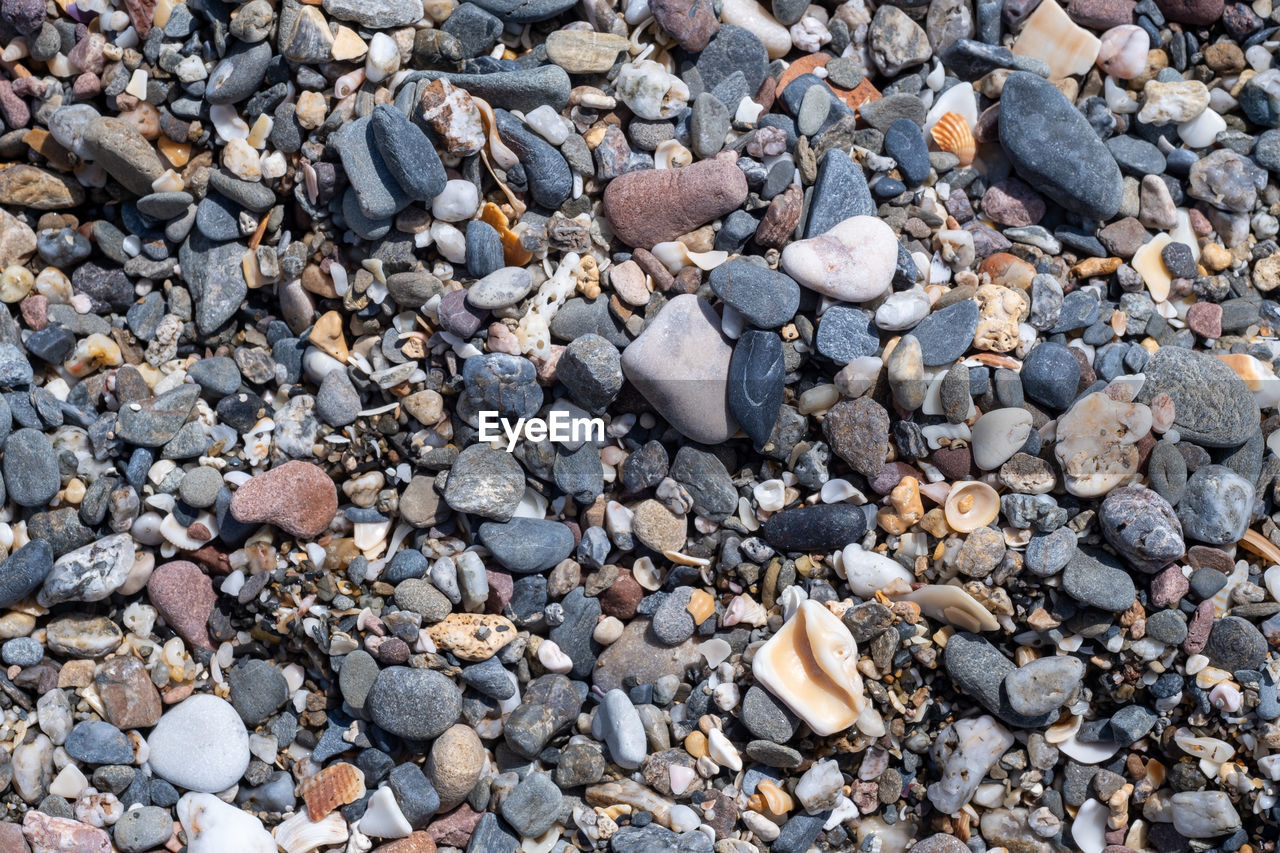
(952, 133)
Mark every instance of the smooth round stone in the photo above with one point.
(1132, 723)
(501, 288)
(239, 74)
(298, 497)
(395, 702)
(764, 297)
(591, 368)
(680, 364)
(757, 375)
(845, 333)
(824, 527)
(904, 142)
(549, 177)
(1053, 148)
(1216, 506)
(1090, 581)
(30, 468)
(142, 829)
(979, 669)
(1235, 644)
(946, 335)
(656, 205)
(998, 435)
(408, 153)
(338, 402)
(503, 383)
(527, 545)
(485, 482)
(1044, 684)
(21, 651)
(709, 124)
(24, 570)
(1050, 375)
(1167, 626)
(853, 262)
(1213, 406)
(533, 806)
(258, 690)
(96, 742)
(217, 376)
(1142, 527)
(200, 745)
(734, 49)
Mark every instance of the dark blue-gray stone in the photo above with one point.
(1212, 404)
(503, 383)
(1216, 506)
(756, 375)
(491, 836)
(407, 153)
(577, 472)
(218, 376)
(845, 333)
(823, 527)
(526, 545)
(474, 28)
(490, 677)
(979, 670)
(733, 49)
(904, 142)
(1090, 580)
(840, 191)
(1136, 156)
(30, 468)
(1053, 148)
(764, 297)
(946, 335)
(1235, 643)
(96, 742)
(1132, 723)
(573, 635)
(484, 249)
(375, 186)
(218, 218)
(24, 570)
(656, 839)
(157, 420)
(548, 174)
(799, 832)
(971, 59)
(415, 794)
(511, 90)
(793, 96)
(1050, 375)
(215, 278)
(258, 690)
(533, 806)
(239, 74)
(524, 11)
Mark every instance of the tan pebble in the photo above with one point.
(584, 51)
(458, 633)
(701, 606)
(327, 335)
(1214, 257)
(347, 45)
(696, 744)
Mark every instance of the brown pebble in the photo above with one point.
(184, 596)
(129, 699)
(298, 497)
(1198, 628)
(657, 205)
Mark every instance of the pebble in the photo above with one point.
(1043, 685)
(527, 545)
(1212, 405)
(854, 261)
(30, 468)
(684, 342)
(200, 744)
(691, 197)
(298, 497)
(756, 383)
(1050, 375)
(1142, 527)
(183, 595)
(394, 702)
(944, 335)
(1216, 506)
(765, 298)
(1090, 580)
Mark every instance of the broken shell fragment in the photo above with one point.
(971, 505)
(300, 834)
(952, 605)
(868, 572)
(333, 787)
(811, 665)
(213, 826)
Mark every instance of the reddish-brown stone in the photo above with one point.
(691, 23)
(455, 828)
(184, 596)
(1198, 628)
(1205, 319)
(622, 597)
(45, 832)
(1198, 12)
(658, 205)
(1101, 14)
(1012, 202)
(129, 699)
(418, 842)
(298, 497)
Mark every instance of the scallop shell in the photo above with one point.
(952, 133)
(811, 665)
(971, 505)
(300, 834)
(333, 787)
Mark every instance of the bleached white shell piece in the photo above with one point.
(383, 818)
(952, 605)
(868, 572)
(811, 665)
(301, 834)
(213, 826)
(959, 99)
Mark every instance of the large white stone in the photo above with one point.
(854, 261)
(200, 744)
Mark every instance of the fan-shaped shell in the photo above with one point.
(952, 133)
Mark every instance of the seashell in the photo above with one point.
(952, 605)
(382, 817)
(723, 752)
(670, 154)
(333, 787)
(744, 609)
(952, 133)
(971, 505)
(301, 834)
(769, 799)
(811, 665)
(213, 826)
(868, 572)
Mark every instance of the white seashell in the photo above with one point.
(1225, 697)
(553, 658)
(723, 752)
(1089, 829)
(301, 834)
(811, 665)
(970, 505)
(839, 490)
(213, 826)
(771, 495)
(952, 605)
(743, 609)
(383, 818)
(869, 572)
(670, 154)
(647, 574)
(650, 91)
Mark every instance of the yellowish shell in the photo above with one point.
(952, 133)
(971, 505)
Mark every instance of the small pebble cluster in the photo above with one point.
(926, 496)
